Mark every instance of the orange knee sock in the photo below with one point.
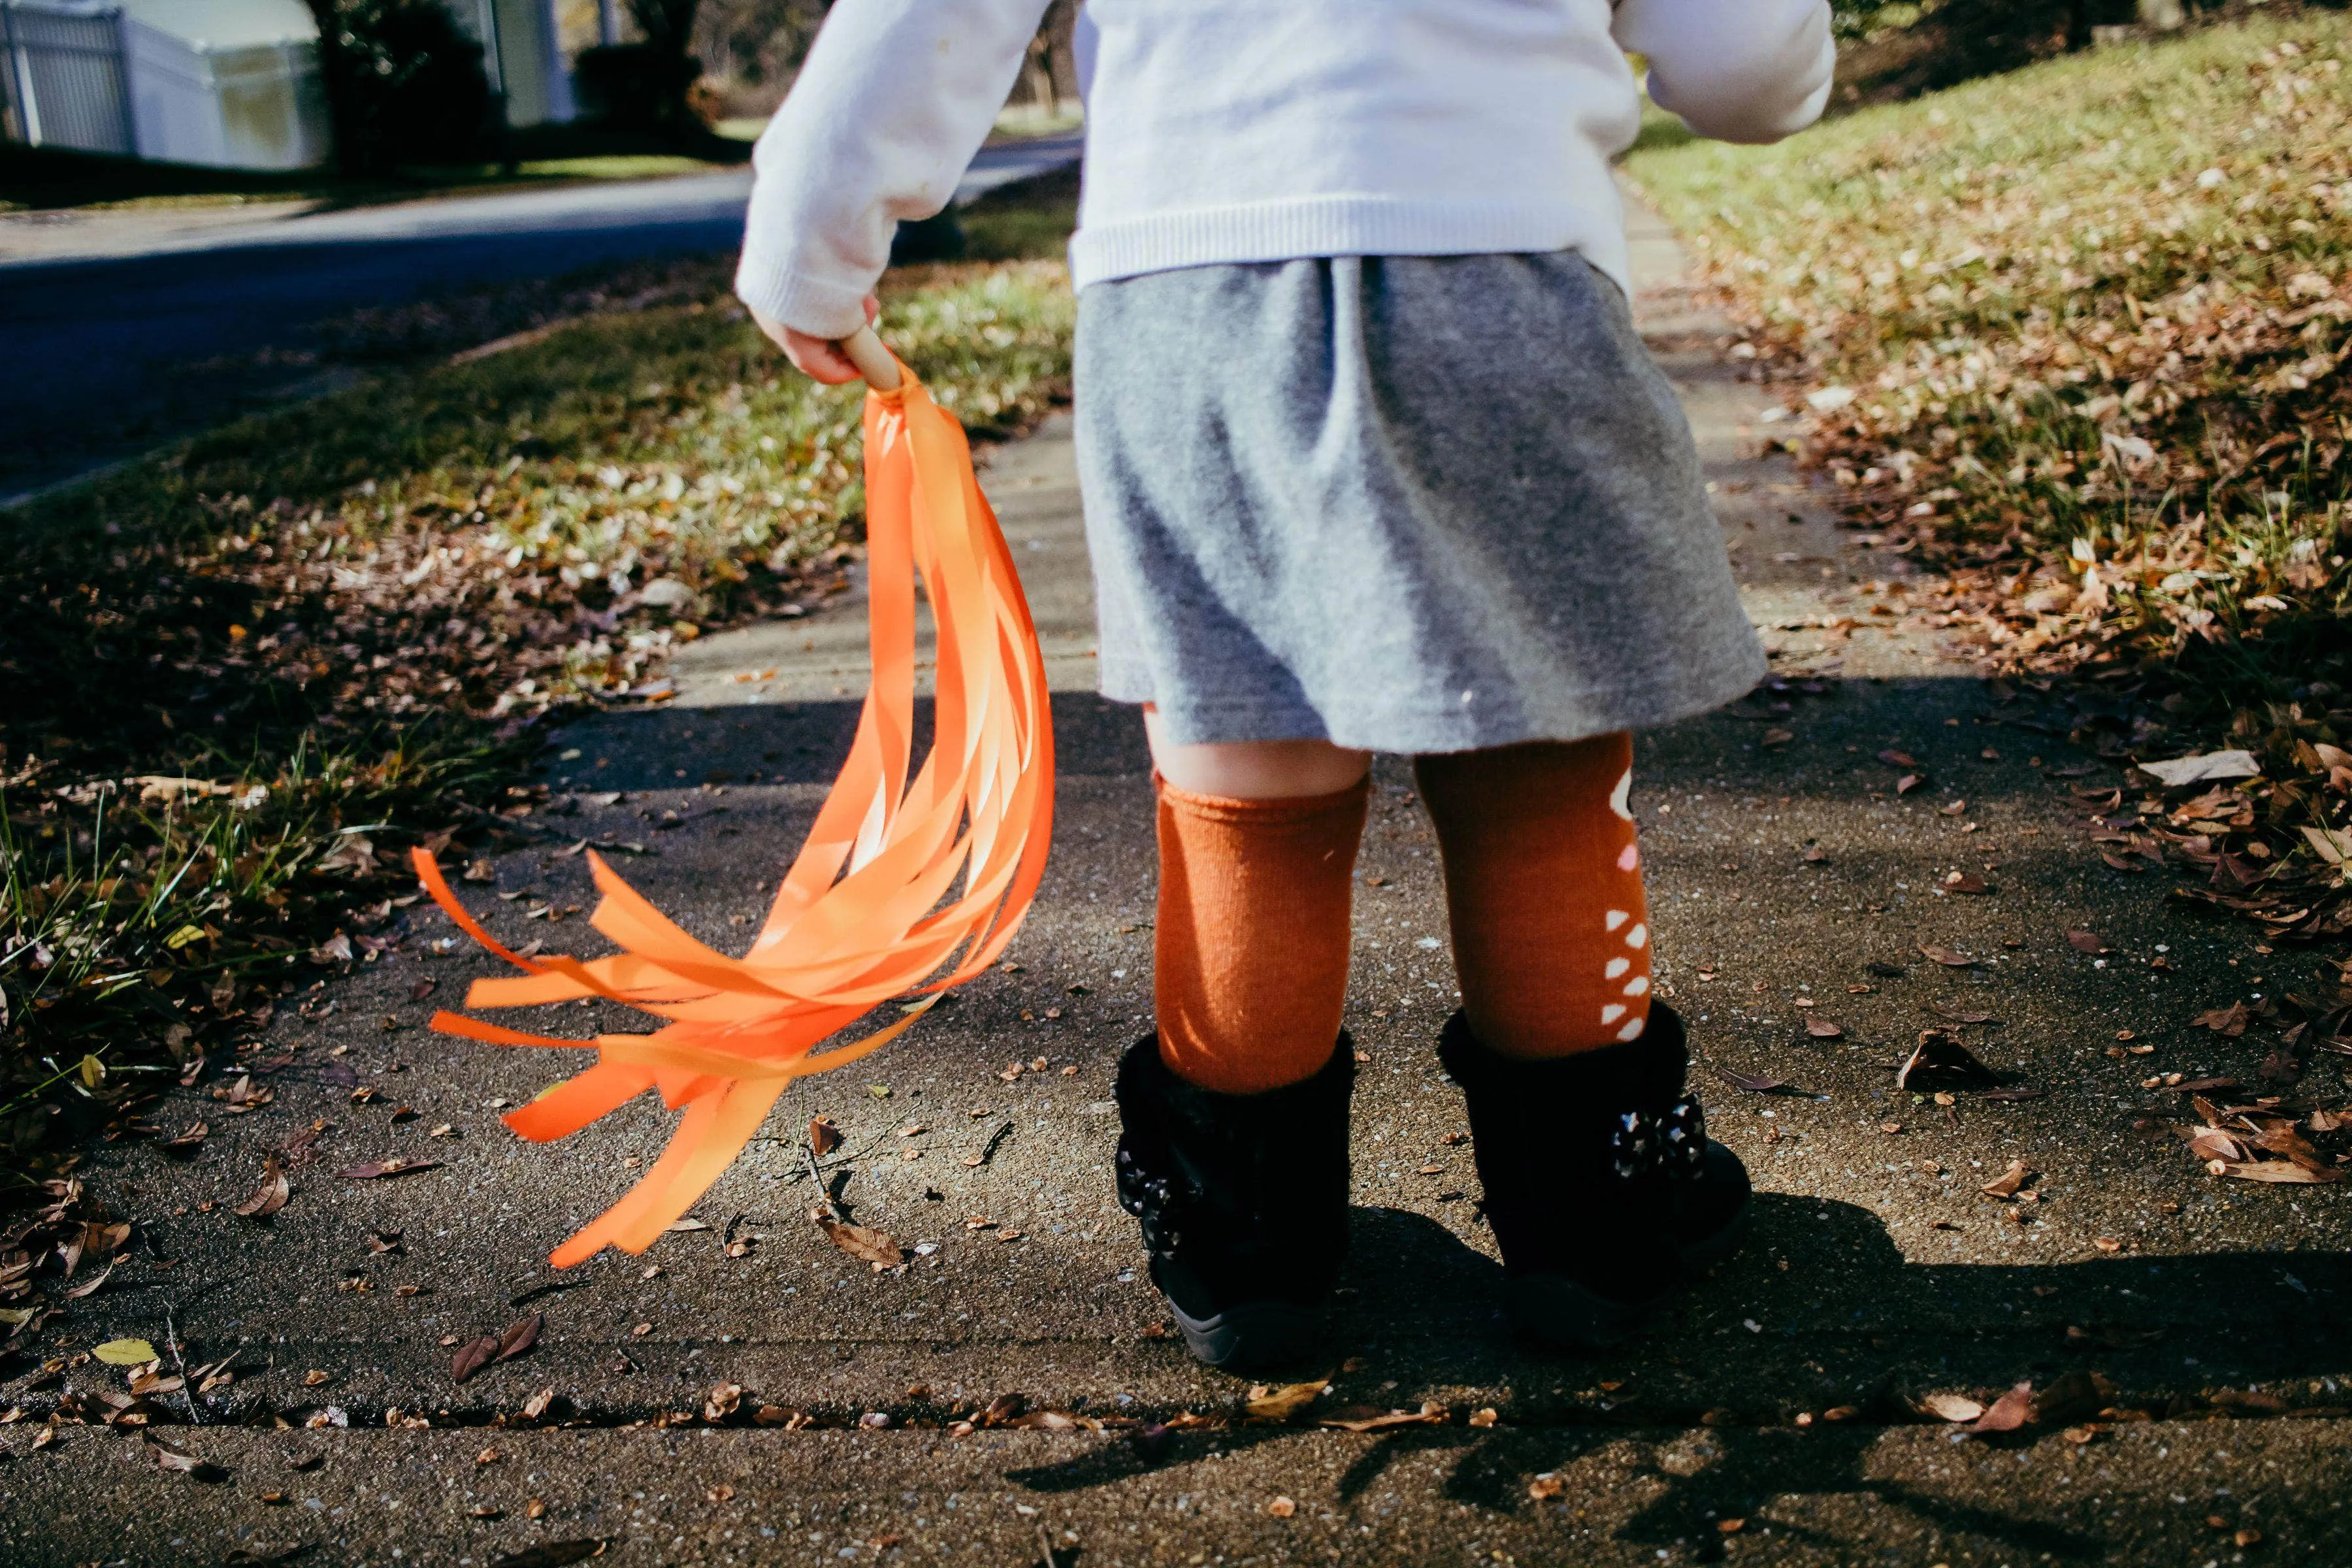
(1543, 888)
(1251, 942)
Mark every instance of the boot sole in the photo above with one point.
(1256, 1334)
(1557, 1311)
(1705, 1256)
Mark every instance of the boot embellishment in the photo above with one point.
(1150, 1199)
(1675, 1143)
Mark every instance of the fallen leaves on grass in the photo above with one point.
(368, 600)
(2103, 394)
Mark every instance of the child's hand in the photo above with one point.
(820, 359)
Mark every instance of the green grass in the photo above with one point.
(2092, 317)
(345, 621)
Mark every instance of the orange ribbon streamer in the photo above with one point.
(859, 918)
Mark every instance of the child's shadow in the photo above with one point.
(1819, 1308)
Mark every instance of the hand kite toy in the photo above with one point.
(859, 918)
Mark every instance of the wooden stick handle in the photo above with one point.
(873, 360)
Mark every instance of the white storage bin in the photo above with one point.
(229, 84)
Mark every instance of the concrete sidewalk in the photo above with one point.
(1791, 881)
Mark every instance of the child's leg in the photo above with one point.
(1257, 855)
(1543, 886)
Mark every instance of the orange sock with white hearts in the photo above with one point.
(1543, 889)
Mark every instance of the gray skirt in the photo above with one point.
(1403, 503)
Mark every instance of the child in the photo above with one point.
(1373, 460)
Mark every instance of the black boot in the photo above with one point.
(1601, 1184)
(1243, 1200)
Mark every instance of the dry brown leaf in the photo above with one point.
(472, 1357)
(90, 1287)
(1946, 956)
(2284, 1172)
(1940, 1057)
(2230, 1021)
(2008, 1413)
(1360, 1418)
(1823, 1028)
(520, 1336)
(1283, 1402)
(2071, 1398)
(857, 1240)
(270, 1196)
(398, 1166)
(1955, 1408)
(823, 1137)
(2008, 1183)
(187, 1143)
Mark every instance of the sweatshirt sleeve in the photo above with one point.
(1738, 70)
(894, 100)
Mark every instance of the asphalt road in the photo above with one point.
(92, 315)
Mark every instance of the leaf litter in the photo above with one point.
(2121, 463)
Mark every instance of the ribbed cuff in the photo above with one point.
(1279, 811)
(821, 306)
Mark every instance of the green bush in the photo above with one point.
(405, 84)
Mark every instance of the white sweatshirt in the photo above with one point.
(1222, 130)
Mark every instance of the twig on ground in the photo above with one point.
(197, 1406)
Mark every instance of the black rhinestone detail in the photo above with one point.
(1675, 1143)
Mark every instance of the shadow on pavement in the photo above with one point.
(1416, 1281)
(806, 744)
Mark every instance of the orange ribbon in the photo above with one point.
(859, 918)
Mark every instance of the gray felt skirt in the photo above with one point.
(1403, 503)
